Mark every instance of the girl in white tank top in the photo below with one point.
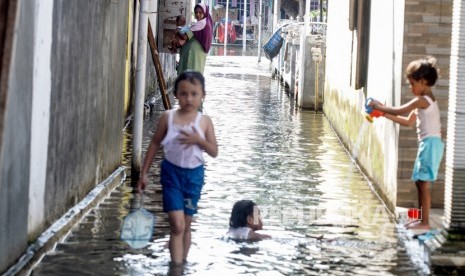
(423, 110)
(185, 134)
(183, 156)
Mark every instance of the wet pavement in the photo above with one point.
(320, 210)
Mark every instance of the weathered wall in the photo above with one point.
(64, 115)
(15, 148)
(400, 31)
(89, 44)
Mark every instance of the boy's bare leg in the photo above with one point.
(420, 202)
(177, 226)
(187, 236)
(419, 198)
(425, 195)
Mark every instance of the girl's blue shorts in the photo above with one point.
(429, 156)
(181, 187)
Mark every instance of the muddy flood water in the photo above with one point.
(320, 210)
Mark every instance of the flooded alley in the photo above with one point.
(321, 212)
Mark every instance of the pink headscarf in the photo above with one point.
(203, 29)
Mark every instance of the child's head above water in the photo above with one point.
(424, 68)
(245, 213)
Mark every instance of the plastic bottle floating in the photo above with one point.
(370, 112)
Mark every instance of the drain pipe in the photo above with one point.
(140, 92)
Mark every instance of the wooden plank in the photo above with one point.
(158, 68)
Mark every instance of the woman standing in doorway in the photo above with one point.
(193, 54)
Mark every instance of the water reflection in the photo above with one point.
(323, 216)
(233, 50)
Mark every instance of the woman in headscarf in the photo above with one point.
(194, 52)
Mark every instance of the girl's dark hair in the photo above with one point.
(191, 76)
(424, 68)
(240, 211)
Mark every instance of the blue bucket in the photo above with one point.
(272, 47)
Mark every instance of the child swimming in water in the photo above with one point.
(245, 221)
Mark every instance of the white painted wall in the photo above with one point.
(384, 77)
(338, 48)
(40, 112)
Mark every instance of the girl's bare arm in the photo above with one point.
(402, 120)
(417, 102)
(152, 151)
(209, 145)
(395, 114)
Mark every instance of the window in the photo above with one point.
(359, 21)
(314, 5)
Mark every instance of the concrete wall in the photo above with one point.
(89, 47)
(399, 31)
(64, 115)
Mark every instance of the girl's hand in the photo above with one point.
(373, 103)
(377, 104)
(141, 184)
(189, 138)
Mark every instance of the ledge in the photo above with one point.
(48, 239)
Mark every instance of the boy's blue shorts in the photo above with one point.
(181, 187)
(429, 156)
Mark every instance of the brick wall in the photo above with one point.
(428, 26)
